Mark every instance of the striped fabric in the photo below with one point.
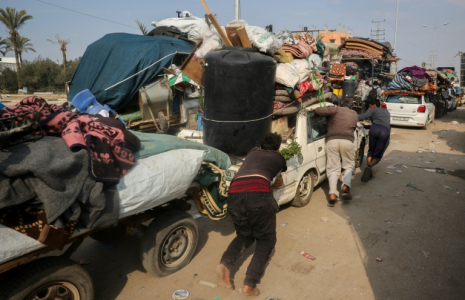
(249, 184)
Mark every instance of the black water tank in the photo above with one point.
(239, 94)
(348, 88)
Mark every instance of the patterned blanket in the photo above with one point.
(109, 159)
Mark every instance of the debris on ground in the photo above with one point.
(180, 294)
(306, 255)
(379, 259)
(458, 193)
(425, 253)
(447, 187)
(284, 224)
(404, 166)
(389, 173)
(419, 151)
(357, 196)
(82, 261)
(454, 123)
(272, 298)
(213, 285)
(453, 149)
(324, 219)
(436, 170)
(197, 216)
(399, 171)
(433, 151)
(413, 186)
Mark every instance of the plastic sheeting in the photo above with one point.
(153, 181)
(117, 56)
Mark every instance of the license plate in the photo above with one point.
(399, 119)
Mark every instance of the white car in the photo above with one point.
(409, 110)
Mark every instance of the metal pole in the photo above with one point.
(237, 13)
(434, 47)
(395, 33)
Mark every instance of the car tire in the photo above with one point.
(304, 191)
(48, 278)
(169, 243)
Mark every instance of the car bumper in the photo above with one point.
(416, 121)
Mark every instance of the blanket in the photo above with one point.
(400, 82)
(417, 72)
(45, 189)
(302, 50)
(109, 159)
(211, 197)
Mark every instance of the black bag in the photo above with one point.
(373, 94)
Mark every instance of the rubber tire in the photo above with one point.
(27, 280)
(155, 236)
(360, 155)
(298, 201)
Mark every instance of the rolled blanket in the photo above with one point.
(302, 50)
(310, 40)
(283, 98)
(281, 93)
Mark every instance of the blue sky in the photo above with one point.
(414, 42)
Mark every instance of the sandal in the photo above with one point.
(346, 196)
(367, 174)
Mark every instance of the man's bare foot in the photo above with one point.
(224, 277)
(250, 291)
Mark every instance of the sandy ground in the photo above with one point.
(412, 220)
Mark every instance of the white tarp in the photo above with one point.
(194, 27)
(153, 181)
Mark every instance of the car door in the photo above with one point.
(317, 127)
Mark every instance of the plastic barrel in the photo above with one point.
(348, 88)
(238, 103)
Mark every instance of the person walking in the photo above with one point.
(380, 133)
(339, 147)
(253, 211)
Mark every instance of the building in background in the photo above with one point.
(8, 62)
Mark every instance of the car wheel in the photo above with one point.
(48, 278)
(304, 190)
(169, 243)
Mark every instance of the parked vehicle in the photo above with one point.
(452, 98)
(307, 170)
(410, 110)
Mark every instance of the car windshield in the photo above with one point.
(404, 99)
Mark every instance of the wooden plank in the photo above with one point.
(242, 33)
(231, 31)
(205, 6)
(193, 67)
(222, 34)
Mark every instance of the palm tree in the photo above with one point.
(142, 27)
(22, 44)
(14, 20)
(4, 47)
(62, 44)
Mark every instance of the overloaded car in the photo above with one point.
(410, 110)
(451, 99)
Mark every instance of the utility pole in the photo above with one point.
(433, 55)
(378, 32)
(237, 11)
(395, 32)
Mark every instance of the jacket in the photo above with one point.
(341, 122)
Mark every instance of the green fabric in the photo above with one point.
(155, 143)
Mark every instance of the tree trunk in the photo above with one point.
(13, 40)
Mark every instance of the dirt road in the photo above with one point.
(410, 217)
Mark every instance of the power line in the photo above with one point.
(78, 12)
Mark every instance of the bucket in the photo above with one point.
(200, 121)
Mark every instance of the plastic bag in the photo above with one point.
(194, 27)
(211, 41)
(303, 68)
(263, 40)
(287, 75)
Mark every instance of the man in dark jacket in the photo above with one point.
(339, 147)
(253, 210)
